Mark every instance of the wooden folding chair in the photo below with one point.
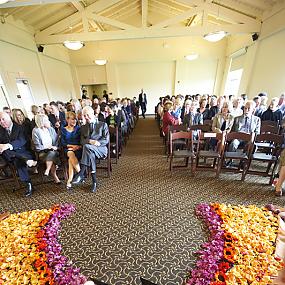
(268, 155)
(108, 164)
(215, 155)
(187, 153)
(114, 142)
(242, 154)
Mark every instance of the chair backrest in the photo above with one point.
(177, 128)
(220, 137)
(275, 141)
(269, 129)
(208, 122)
(247, 138)
(203, 128)
(269, 123)
(188, 136)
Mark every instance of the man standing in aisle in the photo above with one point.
(143, 102)
(94, 140)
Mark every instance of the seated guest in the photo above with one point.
(237, 110)
(45, 141)
(168, 119)
(70, 140)
(258, 108)
(281, 104)
(247, 123)
(185, 109)
(35, 110)
(97, 112)
(203, 109)
(94, 139)
(223, 121)
(193, 117)
(177, 108)
(13, 149)
(56, 117)
(214, 109)
(272, 113)
(112, 118)
(19, 118)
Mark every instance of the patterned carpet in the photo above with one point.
(141, 220)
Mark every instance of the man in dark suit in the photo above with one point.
(13, 149)
(94, 139)
(143, 102)
(56, 117)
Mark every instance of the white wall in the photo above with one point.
(197, 76)
(156, 78)
(269, 68)
(91, 74)
(49, 73)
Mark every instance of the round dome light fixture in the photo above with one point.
(100, 61)
(215, 36)
(73, 45)
(192, 56)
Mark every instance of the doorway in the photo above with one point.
(4, 102)
(95, 89)
(25, 94)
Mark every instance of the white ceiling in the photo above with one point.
(57, 20)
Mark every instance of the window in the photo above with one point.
(233, 82)
(3, 95)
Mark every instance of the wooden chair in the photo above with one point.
(269, 123)
(268, 155)
(187, 153)
(208, 123)
(174, 129)
(264, 129)
(202, 128)
(114, 142)
(242, 154)
(4, 166)
(108, 164)
(214, 154)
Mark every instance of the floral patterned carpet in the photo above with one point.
(141, 221)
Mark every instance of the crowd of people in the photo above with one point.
(78, 129)
(223, 114)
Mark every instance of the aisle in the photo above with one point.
(141, 220)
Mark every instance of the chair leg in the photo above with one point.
(219, 167)
(187, 161)
(193, 166)
(170, 164)
(245, 169)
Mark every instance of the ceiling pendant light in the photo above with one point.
(3, 1)
(100, 61)
(192, 56)
(215, 36)
(73, 45)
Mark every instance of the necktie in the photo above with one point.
(223, 127)
(9, 132)
(247, 124)
(91, 127)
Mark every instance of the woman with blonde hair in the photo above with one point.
(223, 121)
(19, 117)
(70, 141)
(45, 141)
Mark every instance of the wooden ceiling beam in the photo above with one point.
(147, 33)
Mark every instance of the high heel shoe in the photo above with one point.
(68, 186)
(278, 192)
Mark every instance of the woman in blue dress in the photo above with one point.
(70, 141)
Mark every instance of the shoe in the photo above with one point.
(94, 182)
(4, 215)
(31, 163)
(77, 180)
(29, 190)
(278, 193)
(68, 186)
(94, 187)
(58, 182)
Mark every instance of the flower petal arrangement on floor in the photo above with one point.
(30, 252)
(241, 246)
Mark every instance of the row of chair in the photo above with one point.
(196, 146)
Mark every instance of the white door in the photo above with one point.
(25, 93)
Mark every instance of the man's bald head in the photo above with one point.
(5, 120)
